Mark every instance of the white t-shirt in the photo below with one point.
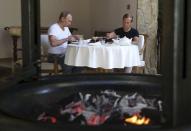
(59, 33)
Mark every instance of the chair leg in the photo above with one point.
(128, 69)
(139, 70)
(101, 70)
(55, 66)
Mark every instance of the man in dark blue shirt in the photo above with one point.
(126, 30)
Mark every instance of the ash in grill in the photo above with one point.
(104, 107)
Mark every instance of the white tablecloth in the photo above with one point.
(104, 56)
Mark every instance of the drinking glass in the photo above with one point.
(102, 41)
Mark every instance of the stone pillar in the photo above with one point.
(147, 23)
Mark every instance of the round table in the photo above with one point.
(106, 56)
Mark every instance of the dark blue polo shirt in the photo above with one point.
(130, 34)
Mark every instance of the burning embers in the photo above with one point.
(105, 107)
(138, 120)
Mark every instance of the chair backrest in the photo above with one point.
(47, 67)
(100, 33)
(141, 46)
(44, 44)
(141, 42)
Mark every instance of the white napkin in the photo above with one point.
(125, 41)
(115, 41)
(95, 44)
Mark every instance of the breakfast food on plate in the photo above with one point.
(93, 40)
(110, 41)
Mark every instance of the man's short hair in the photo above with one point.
(128, 16)
(64, 14)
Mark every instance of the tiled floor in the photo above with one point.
(5, 67)
(6, 62)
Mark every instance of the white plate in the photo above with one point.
(95, 44)
(125, 44)
(75, 42)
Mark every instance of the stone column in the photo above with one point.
(147, 23)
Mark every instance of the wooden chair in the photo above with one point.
(100, 33)
(47, 67)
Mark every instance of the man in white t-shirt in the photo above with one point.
(59, 35)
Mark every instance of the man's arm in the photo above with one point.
(55, 42)
(135, 39)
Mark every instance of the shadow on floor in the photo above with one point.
(4, 71)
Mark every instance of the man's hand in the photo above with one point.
(78, 37)
(71, 38)
(111, 35)
(135, 40)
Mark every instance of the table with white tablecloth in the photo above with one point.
(106, 56)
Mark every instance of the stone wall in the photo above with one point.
(147, 16)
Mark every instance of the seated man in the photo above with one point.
(128, 31)
(59, 35)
